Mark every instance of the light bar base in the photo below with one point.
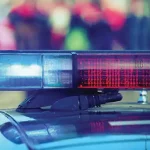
(69, 100)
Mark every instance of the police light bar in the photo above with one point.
(82, 70)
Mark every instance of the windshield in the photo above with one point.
(73, 25)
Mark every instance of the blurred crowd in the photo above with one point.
(75, 25)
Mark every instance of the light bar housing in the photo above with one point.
(25, 70)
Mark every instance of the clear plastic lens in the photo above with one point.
(58, 71)
(20, 71)
(55, 70)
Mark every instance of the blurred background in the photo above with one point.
(73, 25)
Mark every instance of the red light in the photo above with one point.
(97, 127)
(123, 71)
(122, 124)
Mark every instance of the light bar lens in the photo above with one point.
(57, 71)
(131, 71)
(20, 71)
(81, 70)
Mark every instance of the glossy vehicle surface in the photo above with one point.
(113, 126)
